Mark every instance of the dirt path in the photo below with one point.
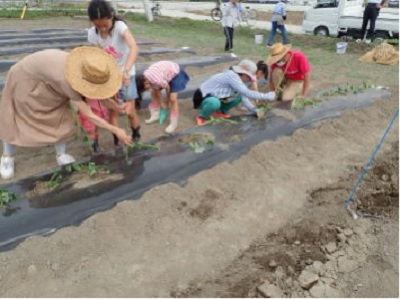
(271, 223)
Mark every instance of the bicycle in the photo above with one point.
(248, 14)
(216, 12)
(156, 8)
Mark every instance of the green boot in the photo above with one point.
(163, 116)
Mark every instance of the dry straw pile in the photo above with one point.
(382, 54)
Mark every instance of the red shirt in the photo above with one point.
(298, 66)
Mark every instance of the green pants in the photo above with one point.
(212, 104)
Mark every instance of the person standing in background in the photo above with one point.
(230, 19)
(371, 13)
(278, 22)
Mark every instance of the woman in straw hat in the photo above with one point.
(35, 109)
(290, 72)
(212, 98)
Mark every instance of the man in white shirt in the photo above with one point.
(230, 18)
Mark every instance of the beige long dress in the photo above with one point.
(35, 110)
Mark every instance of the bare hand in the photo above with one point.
(126, 80)
(125, 108)
(125, 138)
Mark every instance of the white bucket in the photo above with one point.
(259, 39)
(341, 47)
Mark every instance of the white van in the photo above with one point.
(344, 17)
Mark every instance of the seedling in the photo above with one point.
(349, 89)
(55, 180)
(90, 169)
(140, 145)
(262, 110)
(218, 120)
(6, 197)
(300, 103)
(199, 142)
(93, 169)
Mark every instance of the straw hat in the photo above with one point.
(276, 52)
(246, 67)
(93, 73)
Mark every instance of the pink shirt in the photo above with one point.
(161, 73)
(298, 66)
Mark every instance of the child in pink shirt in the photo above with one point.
(163, 75)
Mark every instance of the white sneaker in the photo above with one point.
(7, 167)
(65, 159)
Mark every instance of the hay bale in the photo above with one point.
(382, 54)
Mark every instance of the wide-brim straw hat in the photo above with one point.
(93, 73)
(246, 67)
(276, 52)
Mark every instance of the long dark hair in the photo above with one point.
(263, 67)
(101, 9)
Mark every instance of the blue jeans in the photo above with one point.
(282, 29)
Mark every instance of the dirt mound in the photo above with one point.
(316, 256)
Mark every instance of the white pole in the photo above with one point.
(114, 5)
(147, 11)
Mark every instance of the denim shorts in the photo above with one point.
(178, 83)
(129, 93)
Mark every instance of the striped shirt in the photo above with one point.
(161, 73)
(225, 84)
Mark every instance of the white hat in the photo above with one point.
(246, 67)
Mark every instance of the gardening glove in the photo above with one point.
(163, 116)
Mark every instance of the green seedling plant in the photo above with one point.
(6, 197)
(91, 169)
(199, 142)
(349, 89)
(300, 103)
(138, 145)
(55, 180)
(219, 120)
(262, 110)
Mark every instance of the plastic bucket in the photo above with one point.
(258, 38)
(341, 47)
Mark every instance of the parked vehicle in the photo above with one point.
(344, 18)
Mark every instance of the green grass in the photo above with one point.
(15, 13)
(328, 68)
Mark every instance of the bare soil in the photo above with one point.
(270, 224)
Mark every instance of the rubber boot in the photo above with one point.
(154, 113)
(136, 134)
(163, 116)
(173, 123)
(95, 145)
